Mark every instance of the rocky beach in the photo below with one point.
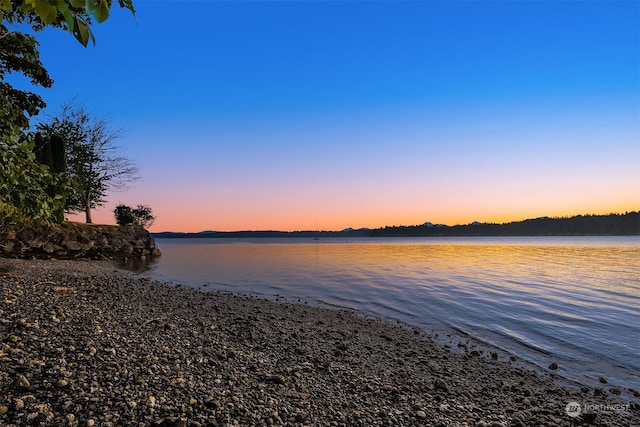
(85, 344)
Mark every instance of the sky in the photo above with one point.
(304, 115)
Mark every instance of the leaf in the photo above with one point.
(5, 5)
(29, 5)
(101, 12)
(128, 4)
(77, 3)
(46, 11)
(81, 31)
(68, 17)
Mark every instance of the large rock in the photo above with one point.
(72, 245)
(75, 240)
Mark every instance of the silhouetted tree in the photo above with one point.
(93, 164)
(124, 215)
(141, 215)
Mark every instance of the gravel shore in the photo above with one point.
(84, 344)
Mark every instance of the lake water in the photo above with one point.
(570, 300)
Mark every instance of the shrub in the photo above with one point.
(124, 215)
(141, 215)
(28, 190)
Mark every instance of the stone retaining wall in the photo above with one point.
(75, 240)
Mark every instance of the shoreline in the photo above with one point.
(586, 343)
(87, 344)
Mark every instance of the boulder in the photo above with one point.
(75, 240)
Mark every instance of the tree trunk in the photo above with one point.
(87, 210)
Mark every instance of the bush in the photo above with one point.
(124, 215)
(27, 188)
(141, 215)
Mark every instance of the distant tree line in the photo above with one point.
(252, 234)
(626, 224)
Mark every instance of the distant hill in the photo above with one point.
(627, 224)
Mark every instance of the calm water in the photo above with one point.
(570, 300)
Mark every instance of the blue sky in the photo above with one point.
(260, 114)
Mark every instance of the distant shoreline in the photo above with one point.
(627, 224)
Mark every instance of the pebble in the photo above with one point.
(238, 360)
(278, 379)
(439, 384)
(22, 381)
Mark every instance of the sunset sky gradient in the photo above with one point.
(297, 115)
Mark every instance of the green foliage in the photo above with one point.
(29, 191)
(19, 54)
(141, 215)
(24, 184)
(74, 16)
(19, 51)
(50, 152)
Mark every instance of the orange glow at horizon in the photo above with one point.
(330, 221)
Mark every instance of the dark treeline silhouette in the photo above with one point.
(265, 233)
(581, 225)
(627, 224)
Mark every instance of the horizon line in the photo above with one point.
(413, 225)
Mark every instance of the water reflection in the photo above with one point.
(136, 265)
